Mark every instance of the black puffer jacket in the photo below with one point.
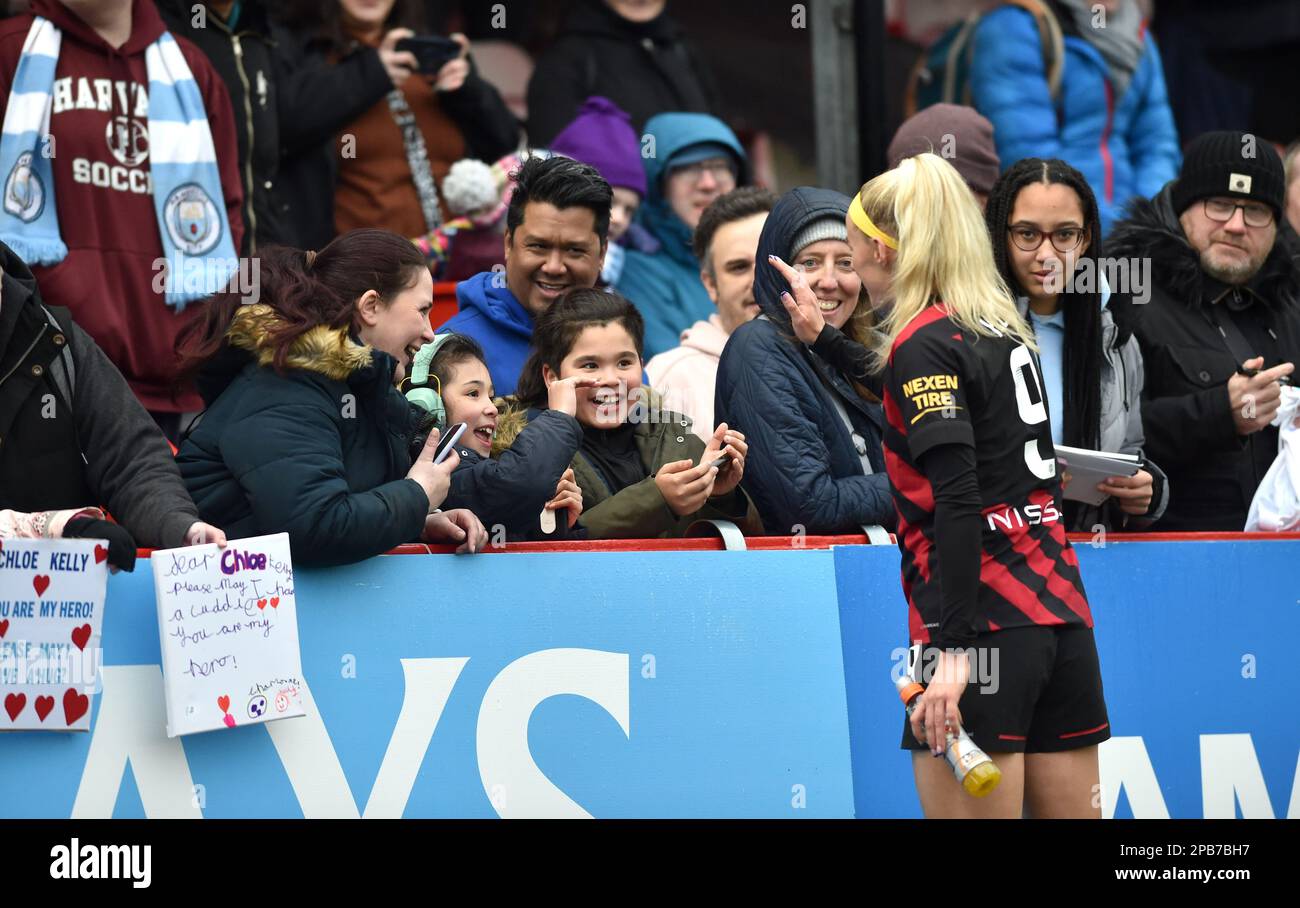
(319, 452)
(509, 489)
(645, 68)
(803, 467)
(1213, 472)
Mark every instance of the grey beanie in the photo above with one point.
(821, 229)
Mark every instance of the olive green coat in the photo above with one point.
(640, 511)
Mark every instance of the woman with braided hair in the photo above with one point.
(1043, 221)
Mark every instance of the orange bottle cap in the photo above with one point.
(908, 692)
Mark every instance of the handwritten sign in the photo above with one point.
(229, 628)
(51, 612)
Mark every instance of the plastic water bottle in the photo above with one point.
(974, 769)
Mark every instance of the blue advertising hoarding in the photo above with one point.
(671, 684)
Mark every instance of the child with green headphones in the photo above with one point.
(525, 491)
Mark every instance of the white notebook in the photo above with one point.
(1087, 468)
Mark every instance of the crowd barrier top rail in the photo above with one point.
(785, 543)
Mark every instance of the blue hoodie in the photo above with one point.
(503, 327)
(665, 286)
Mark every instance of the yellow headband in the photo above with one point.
(863, 223)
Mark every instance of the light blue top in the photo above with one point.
(1049, 330)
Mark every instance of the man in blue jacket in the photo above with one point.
(556, 231)
(694, 159)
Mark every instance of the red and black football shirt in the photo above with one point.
(946, 386)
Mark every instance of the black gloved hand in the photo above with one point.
(121, 545)
(425, 426)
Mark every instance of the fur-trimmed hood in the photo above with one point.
(1152, 230)
(327, 351)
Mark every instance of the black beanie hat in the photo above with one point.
(1216, 164)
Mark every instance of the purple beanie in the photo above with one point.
(602, 136)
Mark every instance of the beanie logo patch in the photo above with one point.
(1238, 182)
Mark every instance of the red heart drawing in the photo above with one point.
(81, 636)
(261, 603)
(74, 705)
(43, 707)
(275, 602)
(100, 554)
(41, 583)
(4, 627)
(224, 702)
(14, 704)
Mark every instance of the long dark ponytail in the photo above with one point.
(307, 289)
(1083, 353)
(557, 329)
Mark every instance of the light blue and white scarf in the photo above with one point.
(187, 192)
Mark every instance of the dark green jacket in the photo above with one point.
(319, 452)
(639, 511)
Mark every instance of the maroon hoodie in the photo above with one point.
(100, 127)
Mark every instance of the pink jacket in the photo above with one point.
(686, 375)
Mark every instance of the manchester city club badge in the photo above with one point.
(192, 219)
(24, 195)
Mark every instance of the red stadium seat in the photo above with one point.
(444, 303)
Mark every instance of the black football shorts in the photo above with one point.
(1032, 690)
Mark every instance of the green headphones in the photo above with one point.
(420, 392)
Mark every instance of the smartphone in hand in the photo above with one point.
(432, 51)
(448, 440)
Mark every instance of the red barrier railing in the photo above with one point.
(787, 543)
(784, 543)
(694, 544)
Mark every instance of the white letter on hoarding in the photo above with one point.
(432, 681)
(1293, 809)
(1124, 764)
(503, 755)
(1230, 774)
(129, 727)
(312, 764)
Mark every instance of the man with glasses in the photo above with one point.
(1221, 333)
(690, 159)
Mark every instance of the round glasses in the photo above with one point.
(719, 168)
(1028, 239)
(1254, 214)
